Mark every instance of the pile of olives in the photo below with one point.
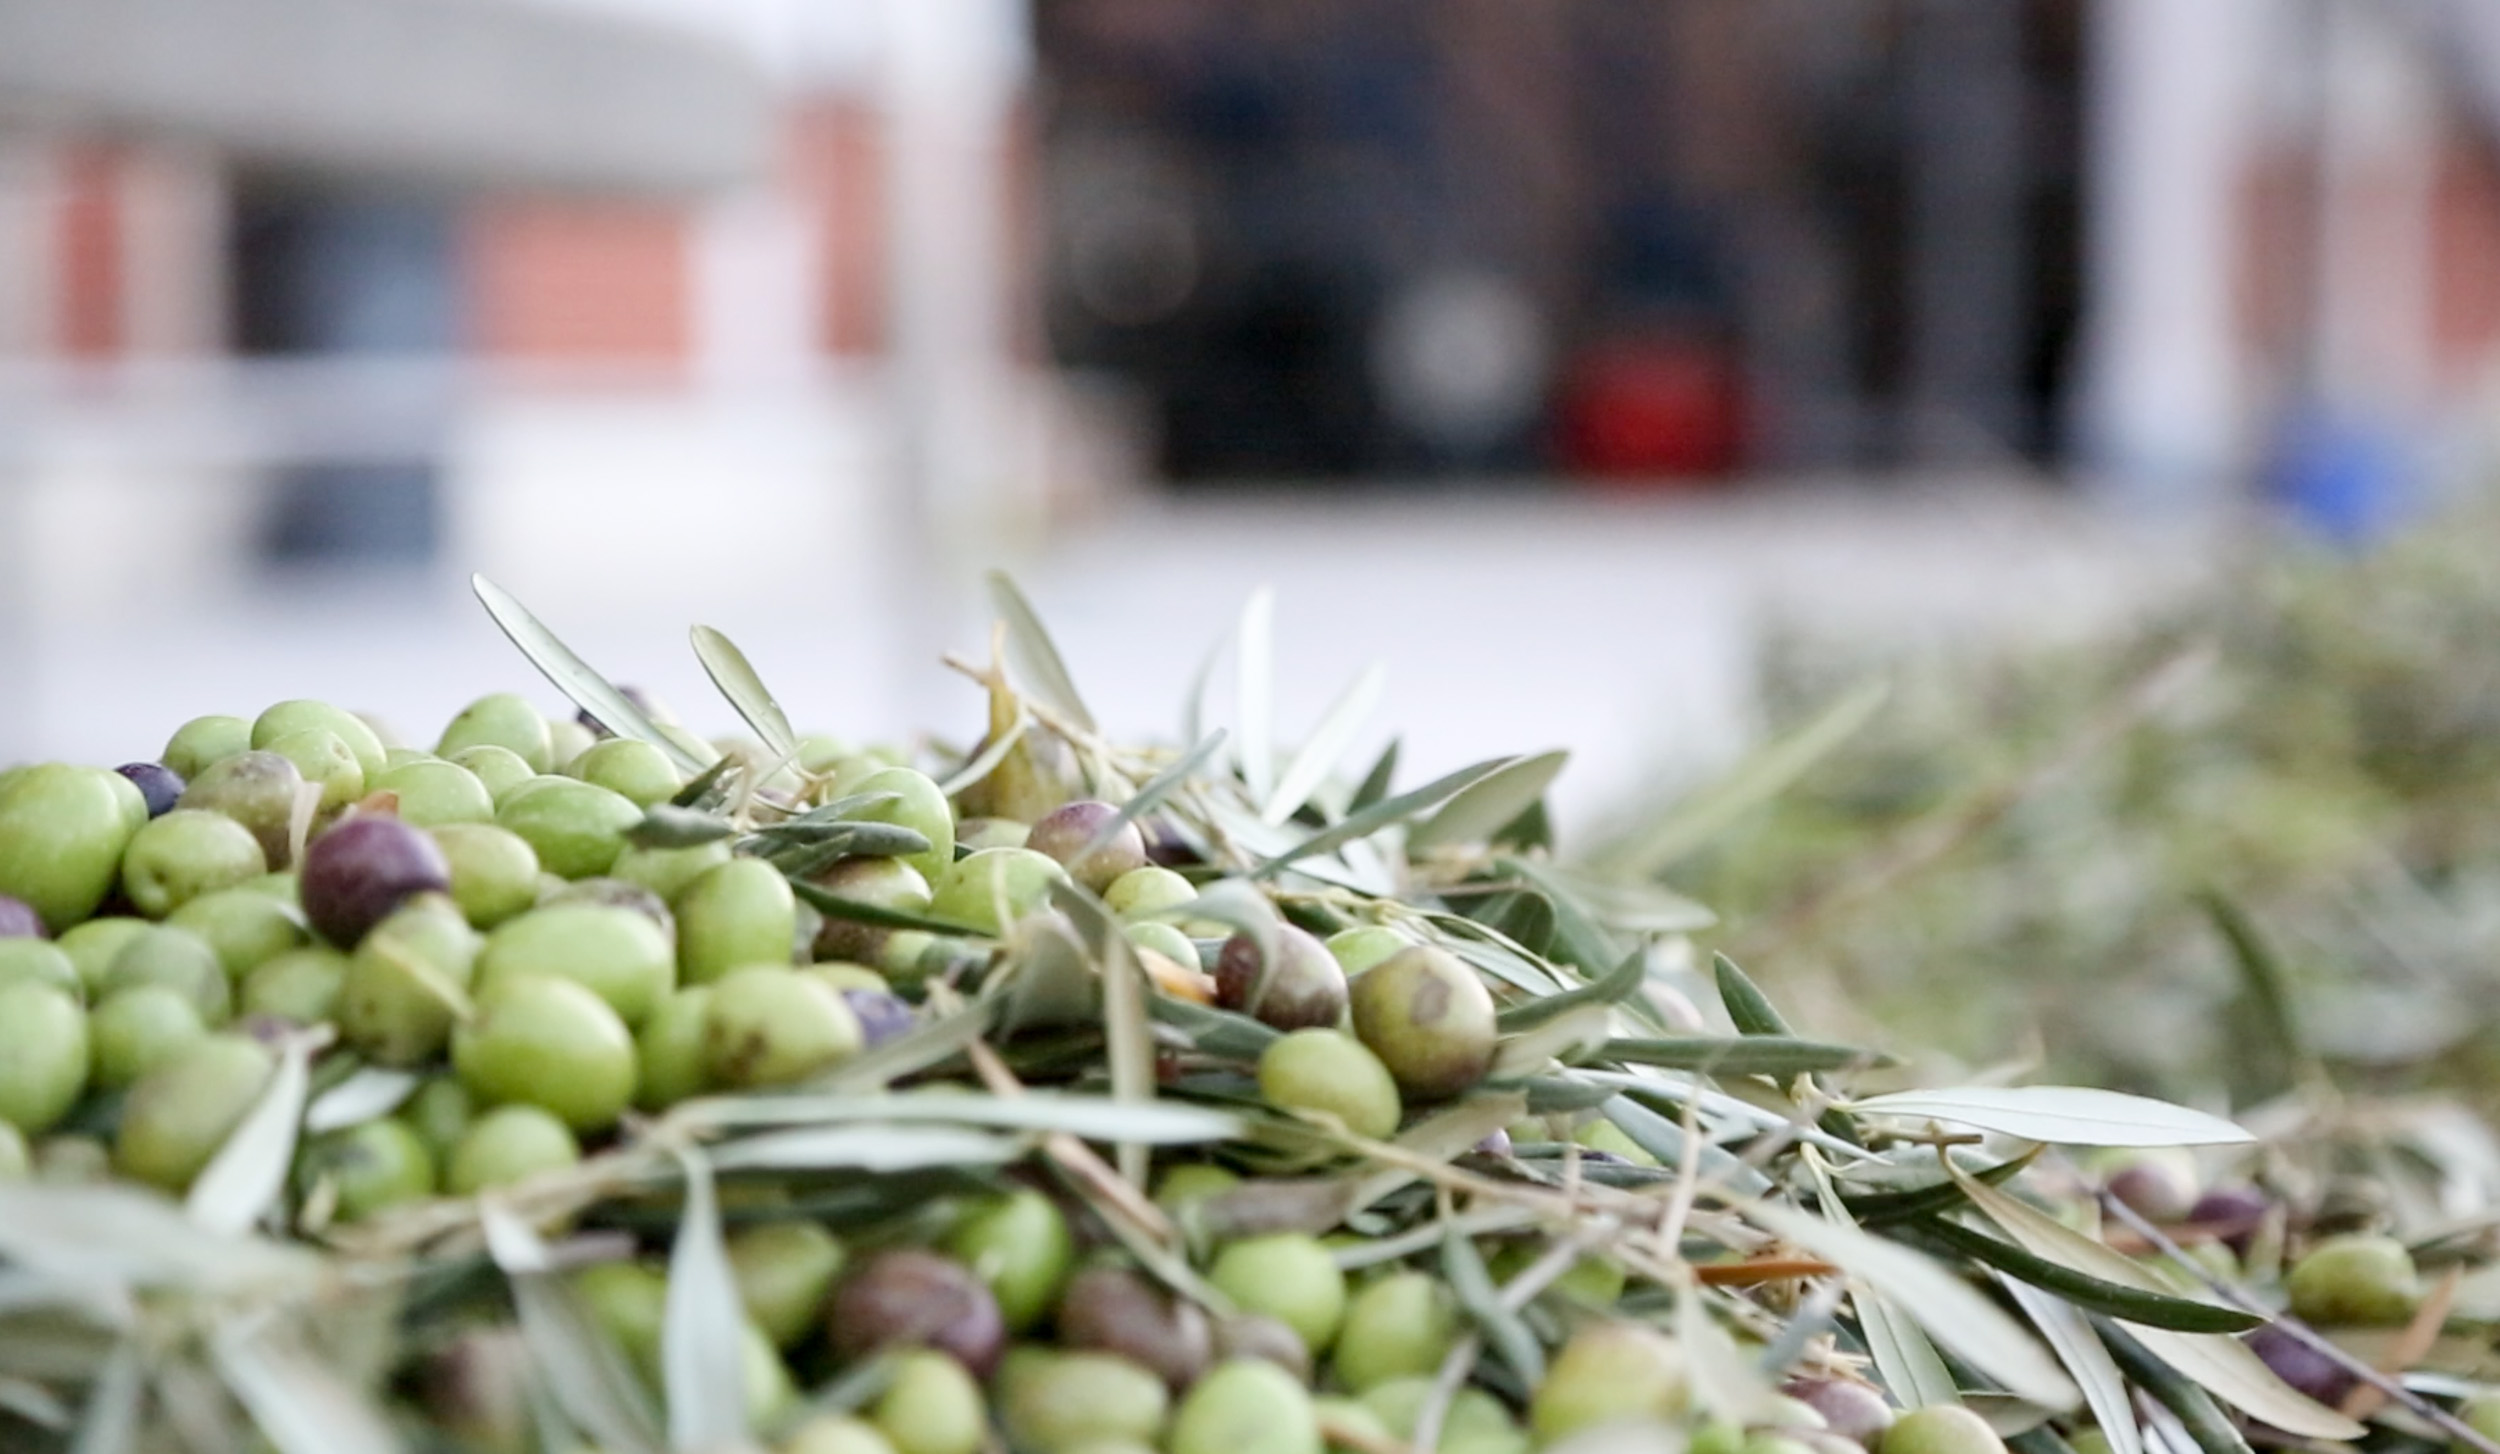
(539, 939)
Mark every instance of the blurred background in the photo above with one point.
(1546, 353)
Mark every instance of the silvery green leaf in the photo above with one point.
(109, 1423)
(2060, 1115)
(1377, 781)
(1613, 988)
(1486, 806)
(572, 676)
(297, 1401)
(250, 1169)
(1633, 907)
(1578, 937)
(1958, 1317)
(1128, 1035)
(1772, 1055)
(929, 1043)
(581, 1366)
(1503, 1329)
(118, 1233)
(371, 1093)
(704, 790)
(730, 671)
(1748, 1008)
(2052, 1241)
(1212, 1031)
(1666, 1140)
(1568, 1036)
(703, 1329)
(1319, 752)
(2070, 1336)
(1090, 1118)
(992, 753)
(1254, 693)
(666, 825)
(1159, 787)
(867, 1148)
(1725, 1382)
(1903, 1356)
(26, 1399)
(1036, 658)
(1444, 1134)
(1383, 814)
(1763, 775)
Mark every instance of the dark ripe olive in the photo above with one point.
(159, 786)
(1428, 1018)
(2157, 1182)
(256, 789)
(477, 1389)
(1303, 988)
(2301, 1366)
(358, 872)
(1166, 848)
(2233, 1213)
(18, 919)
(1942, 1429)
(882, 1014)
(1849, 1408)
(1119, 1311)
(1066, 833)
(908, 1298)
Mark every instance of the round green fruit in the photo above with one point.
(784, 1271)
(1365, 945)
(1021, 1246)
(668, 1051)
(440, 1113)
(1941, 1429)
(177, 959)
(1289, 1277)
(369, 1168)
(500, 720)
(301, 985)
(498, 769)
(179, 1114)
(1428, 1018)
(1055, 1403)
(836, 1434)
(405, 982)
(506, 1145)
(548, 1042)
(260, 790)
(737, 914)
(494, 871)
(2357, 1279)
(629, 767)
(994, 887)
(1396, 1326)
(246, 927)
(62, 832)
(431, 793)
(202, 741)
(42, 961)
(1247, 1406)
(325, 762)
(288, 718)
(1333, 1074)
(668, 871)
(917, 805)
(617, 953)
(576, 828)
(774, 1026)
(175, 859)
(93, 945)
(930, 1406)
(43, 1055)
(140, 1028)
(1144, 892)
(1610, 1373)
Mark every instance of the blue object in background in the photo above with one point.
(2343, 477)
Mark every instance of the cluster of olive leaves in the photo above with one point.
(1785, 1199)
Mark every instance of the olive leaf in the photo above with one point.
(572, 676)
(1748, 1008)
(1211, 1031)
(702, 1331)
(299, 1403)
(2069, 1335)
(1128, 1035)
(374, 1091)
(1376, 782)
(1036, 657)
(1090, 1118)
(866, 1148)
(1666, 1140)
(2125, 1300)
(1383, 814)
(1772, 1055)
(1579, 938)
(1618, 985)
(835, 906)
(667, 825)
(250, 1169)
(992, 753)
(2060, 1115)
(1319, 752)
(580, 1365)
(109, 1421)
(1724, 1381)
(730, 671)
(1503, 1329)
(1486, 806)
(1254, 694)
(1908, 1362)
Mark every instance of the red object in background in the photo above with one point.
(88, 320)
(1651, 410)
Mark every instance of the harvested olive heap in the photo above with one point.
(580, 1084)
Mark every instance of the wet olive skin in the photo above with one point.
(325, 762)
(668, 1051)
(668, 871)
(1052, 1402)
(548, 1042)
(258, 790)
(176, 858)
(62, 833)
(372, 1167)
(994, 887)
(836, 1434)
(773, 1026)
(1428, 1018)
(498, 769)
(179, 1114)
(906, 1298)
(1020, 1245)
(506, 1145)
(93, 946)
(1287, 1276)
(618, 954)
(43, 1055)
(931, 1406)
(629, 767)
(440, 1113)
(1331, 1073)
(2354, 1279)
(301, 985)
(138, 1029)
(1142, 892)
(784, 1272)
(736, 914)
(919, 806)
(178, 959)
(1247, 1406)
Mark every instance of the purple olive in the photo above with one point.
(908, 1298)
(18, 919)
(1305, 988)
(2301, 1366)
(156, 782)
(1067, 833)
(358, 872)
(881, 1015)
(2232, 1213)
(1497, 1144)
(1851, 1409)
(1119, 1311)
(1166, 847)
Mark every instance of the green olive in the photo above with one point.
(629, 1302)
(431, 793)
(617, 953)
(1189, 1185)
(506, 1145)
(567, 740)
(1610, 1373)
(494, 871)
(836, 1434)
(498, 769)
(1020, 1245)
(577, 828)
(994, 887)
(246, 927)
(260, 790)
(1336, 1412)
(769, 1025)
(1359, 948)
(202, 741)
(1428, 1018)
(301, 985)
(919, 806)
(136, 809)
(406, 982)
(736, 914)
(784, 1272)
(630, 768)
(974, 834)
(42, 961)
(1052, 1402)
(92, 947)
(547, 1042)
(1289, 1277)
(930, 1406)
(179, 1114)
(17, 1159)
(1592, 1281)
(1331, 1073)
(1144, 892)
(1401, 1324)
(138, 1029)
(1164, 939)
(62, 832)
(43, 1055)
(1474, 1422)
(327, 763)
(668, 1051)
(1941, 1429)
(2360, 1279)
(178, 959)
(1247, 1406)
(500, 720)
(175, 859)
(668, 871)
(288, 718)
(1600, 1134)
(2480, 1413)
(371, 1167)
